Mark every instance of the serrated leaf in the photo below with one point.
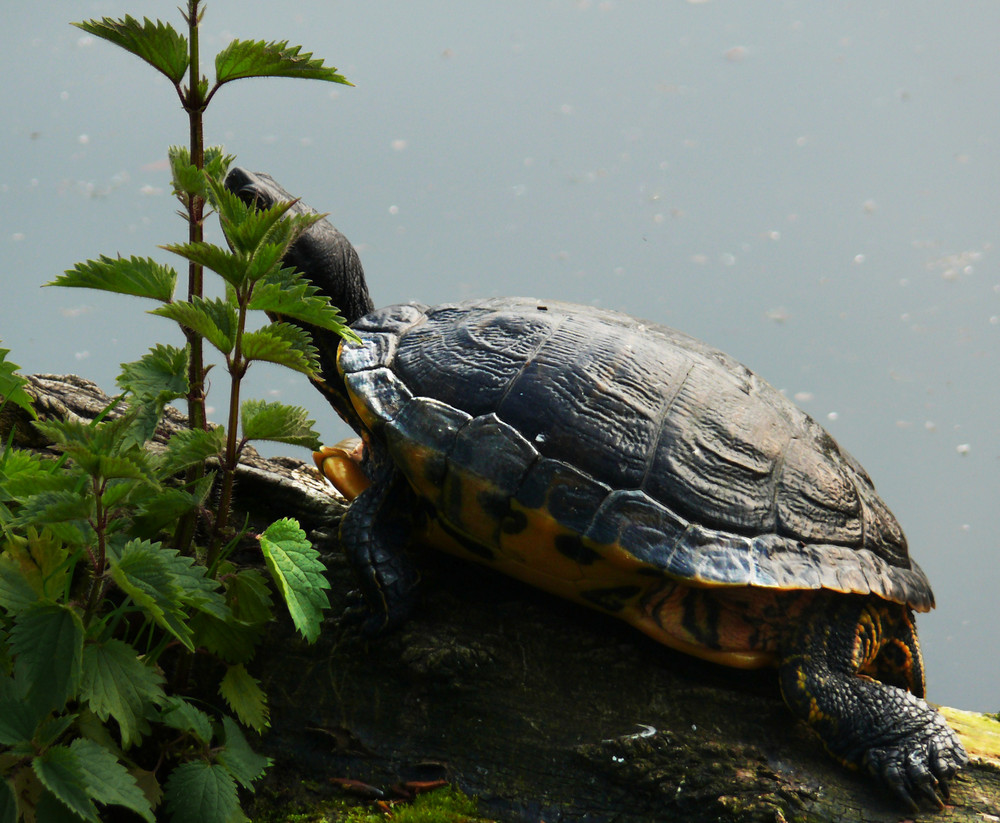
(27, 473)
(161, 373)
(52, 508)
(215, 319)
(41, 559)
(242, 761)
(263, 420)
(18, 722)
(16, 593)
(101, 449)
(142, 572)
(204, 792)
(284, 344)
(295, 566)
(246, 698)
(108, 781)
(51, 729)
(47, 643)
(60, 771)
(159, 44)
(197, 589)
(189, 447)
(249, 596)
(167, 505)
(137, 276)
(12, 385)
(181, 715)
(288, 294)
(247, 58)
(229, 640)
(116, 683)
(228, 266)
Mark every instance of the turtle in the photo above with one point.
(633, 469)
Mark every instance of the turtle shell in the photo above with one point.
(553, 436)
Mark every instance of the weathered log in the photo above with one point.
(543, 709)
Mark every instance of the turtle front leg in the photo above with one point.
(374, 534)
(888, 731)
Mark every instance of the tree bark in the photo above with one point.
(544, 710)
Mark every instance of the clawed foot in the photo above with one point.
(920, 767)
(360, 618)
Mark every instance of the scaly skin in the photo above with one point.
(885, 729)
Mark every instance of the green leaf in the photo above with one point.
(12, 385)
(181, 715)
(249, 596)
(108, 781)
(188, 179)
(295, 566)
(215, 320)
(204, 792)
(47, 642)
(16, 593)
(157, 43)
(41, 559)
(18, 722)
(263, 420)
(288, 294)
(60, 771)
(51, 729)
(246, 58)
(50, 508)
(102, 449)
(142, 572)
(245, 697)
(230, 267)
(161, 373)
(27, 473)
(116, 683)
(229, 640)
(162, 509)
(138, 276)
(189, 447)
(243, 762)
(284, 344)
(8, 803)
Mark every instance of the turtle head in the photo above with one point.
(322, 253)
(330, 262)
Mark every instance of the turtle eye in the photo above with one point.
(252, 196)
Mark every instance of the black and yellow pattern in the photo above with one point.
(635, 470)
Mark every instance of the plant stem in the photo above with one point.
(195, 107)
(237, 369)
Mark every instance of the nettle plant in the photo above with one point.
(116, 565)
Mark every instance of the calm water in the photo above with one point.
(812, 187)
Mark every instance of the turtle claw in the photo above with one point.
(919, 770)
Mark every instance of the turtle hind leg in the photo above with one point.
(374, 534)
(886, 730)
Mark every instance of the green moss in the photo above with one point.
(445, 805)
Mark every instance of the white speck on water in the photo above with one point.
(81, 355)
(393, 209)
(963, 448)
(727, 259)
(540, 438)
(149, 190)
(930, 425)
(859, 259)
(832, 416)
(17, 236)
(803, 396)
(399, 145)
(83, 139)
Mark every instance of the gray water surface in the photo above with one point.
(812, 187)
